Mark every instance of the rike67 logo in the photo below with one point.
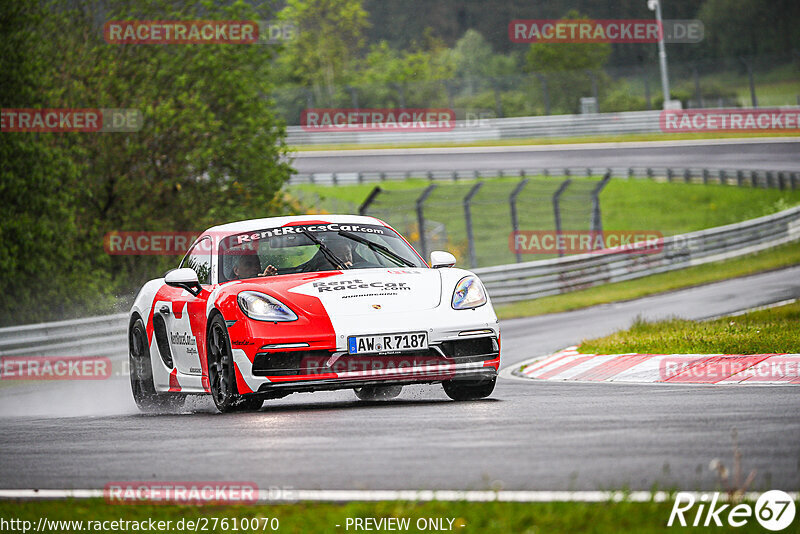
(774, 510)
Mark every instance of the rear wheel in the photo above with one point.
(462, 390)
(141, 375)
(221, 373)
(378, 392)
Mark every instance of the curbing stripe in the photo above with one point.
(696, 369)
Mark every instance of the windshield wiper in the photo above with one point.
(377, 246)
(336, 262)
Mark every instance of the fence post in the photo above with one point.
(705, 176)
(698, 94)
(739, 178)
(753, 179)
(687, 176)
(512, 202)
(473, 261)
(749, 65)
(498, 101)
(362, 210)
(353, 95)
(423, 245)
(597, 221)
(557, 210)
(545, 93)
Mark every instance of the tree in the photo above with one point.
(329, 38)
(210, 149)
(569, 68)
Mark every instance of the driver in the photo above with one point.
(343, 249)
(249, 266)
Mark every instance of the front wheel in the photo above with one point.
(221, 373)
(141, 375)
(378, 392)
(462, 390)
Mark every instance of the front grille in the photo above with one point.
(286, 363)
(471, 350)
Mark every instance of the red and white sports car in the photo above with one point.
(262, 308)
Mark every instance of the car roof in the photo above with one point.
(275, 222)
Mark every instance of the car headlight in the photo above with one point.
(262, 307)
(469, 293)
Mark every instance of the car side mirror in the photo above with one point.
(184, 278)
(440, 258)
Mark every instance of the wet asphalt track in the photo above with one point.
(730, 154)
(528, 435)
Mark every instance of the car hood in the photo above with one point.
(362, 291)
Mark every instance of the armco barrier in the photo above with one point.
(521, 281)
(592, 124)
(106, 335)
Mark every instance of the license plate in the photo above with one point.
(387, 343)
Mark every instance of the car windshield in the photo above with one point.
(312, 248)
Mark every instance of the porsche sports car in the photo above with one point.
(263, 308)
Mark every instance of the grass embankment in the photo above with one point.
(778, 257)
(622, 138)
(772, 330)
(483, 518)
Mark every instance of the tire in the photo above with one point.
(370, 393)
(221, 374)
(141, 374)
(463, 390)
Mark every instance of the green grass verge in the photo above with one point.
(519, 518)
(782, 256)
(551, 140)
(758, 332)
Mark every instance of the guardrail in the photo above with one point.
(738, 177)
(106, 335)
(522, 281)
(92, 336)
(592, 124)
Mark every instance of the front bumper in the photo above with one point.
(474, 358)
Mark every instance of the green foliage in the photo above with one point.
(330, 37)
(209, 151)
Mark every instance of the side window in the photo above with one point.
(199, 259)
